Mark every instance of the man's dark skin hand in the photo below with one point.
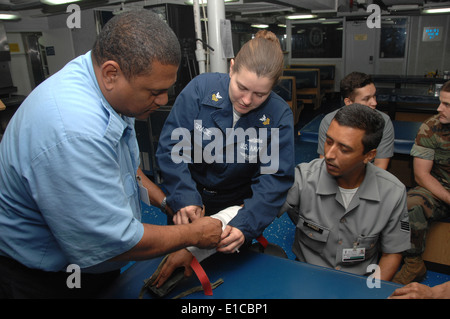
(180, 258)
(157, 240)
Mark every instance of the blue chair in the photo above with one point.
(307, 84)
(327, 74)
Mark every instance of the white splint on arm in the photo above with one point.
(224, 216)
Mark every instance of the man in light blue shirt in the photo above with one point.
(69, 160)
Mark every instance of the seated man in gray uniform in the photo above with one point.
(349, 213)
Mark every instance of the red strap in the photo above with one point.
(263, 241)
(201, 275)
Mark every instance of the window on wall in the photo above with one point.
(321, 39)
(393, 38)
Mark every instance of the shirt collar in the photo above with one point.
(117, 123)
(368, 189)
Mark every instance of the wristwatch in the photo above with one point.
(163, 205)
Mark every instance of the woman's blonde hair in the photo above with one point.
(261, 55)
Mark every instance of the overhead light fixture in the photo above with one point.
(404, 7)
(260, 26)
(330, 22)
(201, 2)
(301, 16)
(436, 10)
(57, 2)
(9, 15)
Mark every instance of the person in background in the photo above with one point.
(69, 158)
(358, 87)
(238, 143)
(430, 200)
(348, 211)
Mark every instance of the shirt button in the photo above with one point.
(340, 242)
(343, 220)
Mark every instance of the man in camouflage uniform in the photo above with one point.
(430, 200)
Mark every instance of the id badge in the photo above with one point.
(143, 192)
(353, 254)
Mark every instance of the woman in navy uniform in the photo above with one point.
(229, 141)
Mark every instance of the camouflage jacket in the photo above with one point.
(433, 143)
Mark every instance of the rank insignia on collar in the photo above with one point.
(216, 97)
(265, 120)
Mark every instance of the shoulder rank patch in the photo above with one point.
(216, 97)
(265, 120)
(404, 225)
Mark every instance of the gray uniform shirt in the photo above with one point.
(384, 150)
(375, 221)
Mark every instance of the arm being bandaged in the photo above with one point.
(224, 216)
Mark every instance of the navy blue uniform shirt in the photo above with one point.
(199, 146)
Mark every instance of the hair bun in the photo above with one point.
(268, 35)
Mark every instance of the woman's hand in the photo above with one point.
(231, 239)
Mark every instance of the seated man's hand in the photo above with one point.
(413, 290)
(180, 258)
(188, 214)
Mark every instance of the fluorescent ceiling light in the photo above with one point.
(8, 15)
(301, 16)
(404, 7)
(58, 2)
(436, 10)
(200, 2)
(260, 26)
(330, 22)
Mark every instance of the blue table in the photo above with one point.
(399, 80)
(251, 275)
(416, 100)
(405, 133)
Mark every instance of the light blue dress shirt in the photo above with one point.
(68, 162)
